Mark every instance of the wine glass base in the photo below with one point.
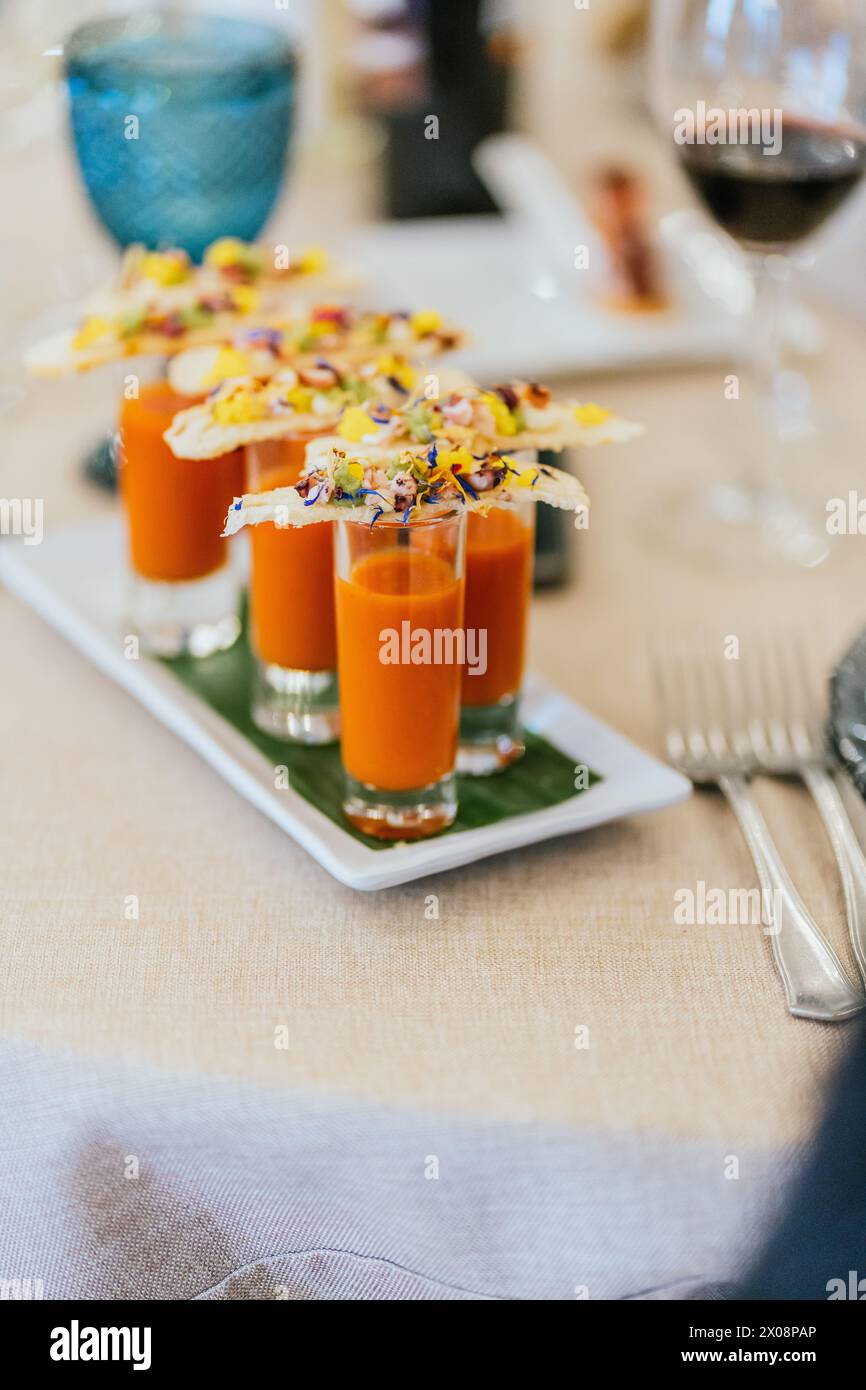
(729, 526)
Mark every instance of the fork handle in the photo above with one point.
(846, 847)
(815, 981)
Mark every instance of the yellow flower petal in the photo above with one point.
(91, 331)
(228, 362)
(228, 250)
(526, 478)
(502, 417)
(397, 368)
(165, 267)
(426, 321)
(459, 458)
(239, 408)
(312, 260)
(355, 424)
(300, 398)
(590, 414)
(245, 298)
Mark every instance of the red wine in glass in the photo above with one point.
(775, 200)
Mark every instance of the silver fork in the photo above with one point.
(707, 739)
(788, 741)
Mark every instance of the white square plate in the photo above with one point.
(74, 580)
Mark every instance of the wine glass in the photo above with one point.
(763, 102)
(181, 124)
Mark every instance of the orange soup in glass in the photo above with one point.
(183, 594)
(400, 595)
(292, 623)
(499, 555)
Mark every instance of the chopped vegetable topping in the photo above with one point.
(409, 479)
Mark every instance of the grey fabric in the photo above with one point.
(245, 1193)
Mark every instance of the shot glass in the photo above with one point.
(182, 591)
(292, 623)
(400, 592)
(499, 555)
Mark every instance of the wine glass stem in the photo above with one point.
(761, 368)
(770, 279)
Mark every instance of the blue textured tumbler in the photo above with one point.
(181, 124)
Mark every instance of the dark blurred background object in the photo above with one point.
(821, 1240)
(438, 74)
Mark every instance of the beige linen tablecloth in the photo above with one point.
(475, 1014)
(239, 931)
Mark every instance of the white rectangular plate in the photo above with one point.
(74, 580)
(479, 271)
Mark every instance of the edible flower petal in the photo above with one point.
(312, 260)
(245, 298)
(165, 267)
(300, 398)
(396, 369)
(590, 414)
(239, 407)
(425, 322)
(355, 424)
(228, 362)
(502, 417)
(229, 251)
(91, 331)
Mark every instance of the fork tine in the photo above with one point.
(695, 691)
(732, 697)
(686, 671)
(809, 708)
(713, 673)
(674, 716)
(765, 728)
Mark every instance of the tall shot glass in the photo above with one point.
(292, 624)
(499, 555)
(400, 592)
(182, 591)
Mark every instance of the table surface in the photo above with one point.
(239, 931)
